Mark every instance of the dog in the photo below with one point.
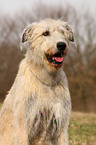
(37, 108)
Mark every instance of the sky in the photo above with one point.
(14, 6)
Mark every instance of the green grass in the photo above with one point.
(82, 129)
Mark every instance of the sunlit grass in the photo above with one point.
(82, 129)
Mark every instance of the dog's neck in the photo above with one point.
(46, 78)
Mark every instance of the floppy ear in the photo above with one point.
(27, 34)
(70, 32)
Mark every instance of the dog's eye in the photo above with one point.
(47, 33)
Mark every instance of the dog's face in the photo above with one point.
(49, 40)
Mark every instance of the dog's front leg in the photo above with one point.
(20, 130)
(63, 139)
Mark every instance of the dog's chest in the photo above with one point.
(47, 115)
(45, 125)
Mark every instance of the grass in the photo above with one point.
(82, 129)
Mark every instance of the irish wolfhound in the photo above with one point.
(37, 109)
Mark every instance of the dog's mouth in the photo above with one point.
(56, 59)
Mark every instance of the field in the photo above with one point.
(82, 129)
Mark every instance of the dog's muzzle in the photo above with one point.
(57, 58)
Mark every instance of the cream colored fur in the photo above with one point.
(39, 87)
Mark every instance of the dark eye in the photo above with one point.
(47, 33)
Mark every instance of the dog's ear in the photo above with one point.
(27, 34)
(70, 31)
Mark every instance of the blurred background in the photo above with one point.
(80, 64)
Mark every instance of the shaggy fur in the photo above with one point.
(37, 109)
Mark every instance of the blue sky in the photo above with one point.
(13, 6)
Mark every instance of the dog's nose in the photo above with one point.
(61, 46)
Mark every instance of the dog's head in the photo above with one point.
(49, 40)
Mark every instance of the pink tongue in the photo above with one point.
(59, 59)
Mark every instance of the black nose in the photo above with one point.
(61, 46)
